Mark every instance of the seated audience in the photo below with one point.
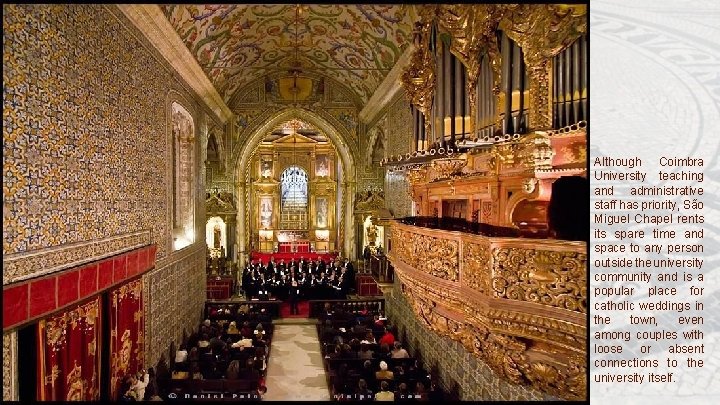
(367, 373)
(204, 341)
(233, 370)
(384, 351)
(246, 331)
(369, 338)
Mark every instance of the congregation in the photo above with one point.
(225, 355)
(365, 361)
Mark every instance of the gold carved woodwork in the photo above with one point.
(550, 278)
(536, 152)
(525, 317)
(542, 31)
(419, 76)
(370, 201)
(434, 256)
(476, 273)
(449, 167)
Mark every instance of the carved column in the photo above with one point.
(240, 225)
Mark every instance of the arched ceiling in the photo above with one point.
(237, 44)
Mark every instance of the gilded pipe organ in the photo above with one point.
(499, 101)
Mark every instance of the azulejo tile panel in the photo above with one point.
(84, 135)
(177, 299)
(9, 365)
(399, 139)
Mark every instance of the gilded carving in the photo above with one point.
(563, 381)
(476, 267)
(551, 278)
(542, 31)
(370, 201)
(522, 344)
(419, 76)
(434, 256)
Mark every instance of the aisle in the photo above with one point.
(295, 371)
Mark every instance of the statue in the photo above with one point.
(216, 236)
(372, 232)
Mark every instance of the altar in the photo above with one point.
(299, 246)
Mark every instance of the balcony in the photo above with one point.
(520, 304)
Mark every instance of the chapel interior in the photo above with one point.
(295, 202)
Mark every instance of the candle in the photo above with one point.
(458, 125)
(447, 126)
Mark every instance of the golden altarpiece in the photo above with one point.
(294, 191)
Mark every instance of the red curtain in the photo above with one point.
(69, 360)
(127, 325)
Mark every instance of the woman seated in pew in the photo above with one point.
(385, 394)
(398, 352)
(232, 329)
(384, 352)
(233, 370)
(384, 373)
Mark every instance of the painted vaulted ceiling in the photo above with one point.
(238, 44)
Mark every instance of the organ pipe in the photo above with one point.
(576, 79)
(567, 67)
(520, 128)
(570, 89)
(447, 124)
(507, 83)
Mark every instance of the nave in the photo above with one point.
(154, 154)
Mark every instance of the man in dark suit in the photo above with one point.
(294, 297)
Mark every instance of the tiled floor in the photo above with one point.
(295, 371)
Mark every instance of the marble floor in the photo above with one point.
(295, 371)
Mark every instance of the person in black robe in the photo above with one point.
(294, 297)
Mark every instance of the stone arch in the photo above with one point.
(345, 148)
(375, 135)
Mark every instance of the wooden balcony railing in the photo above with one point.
(519, 304)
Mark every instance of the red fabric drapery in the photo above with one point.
(127, 325)
(69, 360)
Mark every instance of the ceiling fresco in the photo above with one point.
(238, 44)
